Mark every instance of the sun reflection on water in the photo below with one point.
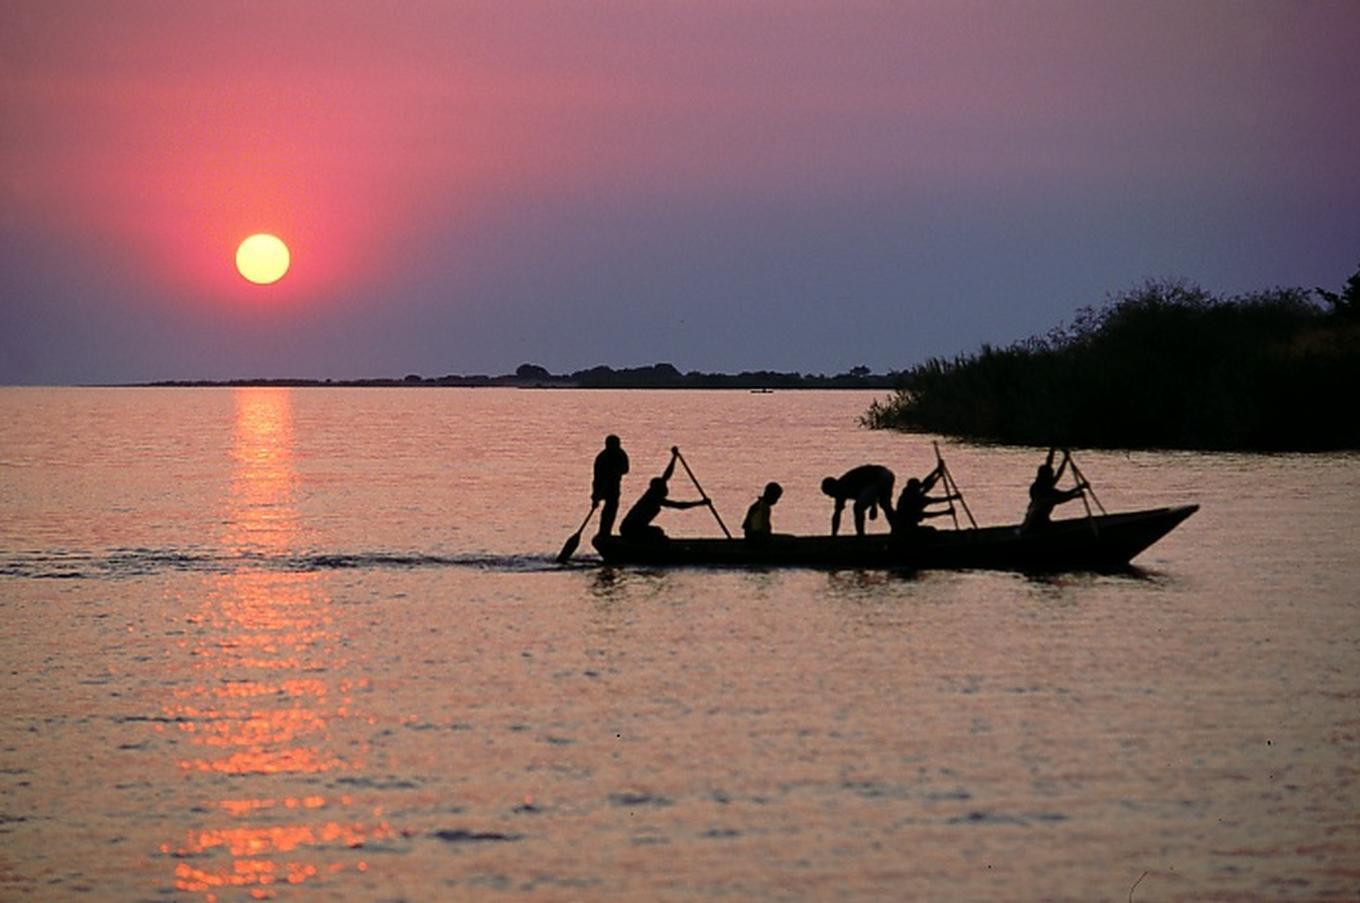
(260, 718)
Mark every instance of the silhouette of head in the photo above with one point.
(772, 492)
(658, 485)
(829, 486)
(913, 485)
(611, 441)
(1044, 473)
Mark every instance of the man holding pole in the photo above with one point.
(913, 504)
(1044, 494)
(637, 523)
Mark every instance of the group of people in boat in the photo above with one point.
(867, 488)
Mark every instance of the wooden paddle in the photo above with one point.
(574, 540)
(702, 494)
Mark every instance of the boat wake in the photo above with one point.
(114, 564)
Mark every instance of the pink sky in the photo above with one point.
(466, 186)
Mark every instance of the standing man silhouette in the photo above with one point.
(610, 466)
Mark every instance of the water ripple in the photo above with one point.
(129, 563)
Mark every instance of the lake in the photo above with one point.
(313, 644)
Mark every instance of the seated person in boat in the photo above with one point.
(756, 526)
(1044, 494)
(869, 486)
(637, 524)
(913, 505)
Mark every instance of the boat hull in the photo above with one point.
(1104, 543)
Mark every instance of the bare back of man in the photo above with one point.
(869, 486)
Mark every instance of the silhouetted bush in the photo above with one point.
(532, 371)
(1165, 366)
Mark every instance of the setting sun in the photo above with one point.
(262, 259)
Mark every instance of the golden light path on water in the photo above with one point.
(266, 694)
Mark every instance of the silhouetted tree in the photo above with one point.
(1165, 366)
(532, 371)
(1347, 303)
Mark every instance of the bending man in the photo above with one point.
(869, 486)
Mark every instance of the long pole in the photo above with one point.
(1090, 518)
(1081, 481)
(702, 494)
(944, 474)
(951, 487)
(948, 492)
(1076, 471)
(962, 500)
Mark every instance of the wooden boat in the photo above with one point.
(1102, 543)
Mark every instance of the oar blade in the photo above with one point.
(574, 540)
(569, 547)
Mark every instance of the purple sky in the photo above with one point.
(725, 186)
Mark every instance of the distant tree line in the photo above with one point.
(1168, 365)
(655, 376)
(667, 376)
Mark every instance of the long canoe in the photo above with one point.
(1105, 543)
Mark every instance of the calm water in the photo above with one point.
(311, 644)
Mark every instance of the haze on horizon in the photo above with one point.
(798, 185)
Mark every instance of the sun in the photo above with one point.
(262, 259)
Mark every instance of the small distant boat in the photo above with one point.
(1107, 542)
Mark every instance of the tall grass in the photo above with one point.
(1167, 365)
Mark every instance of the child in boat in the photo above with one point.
(756, 526)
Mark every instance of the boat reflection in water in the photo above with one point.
(258, 716)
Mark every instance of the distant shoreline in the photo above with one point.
(531, 376)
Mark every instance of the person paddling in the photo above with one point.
(637, 523)
(913, 505)
(1044, 494)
